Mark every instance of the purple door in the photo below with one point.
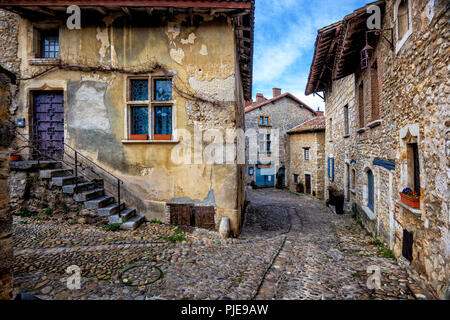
(49, 124)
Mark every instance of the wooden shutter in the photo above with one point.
(204, 217)
(181, 215)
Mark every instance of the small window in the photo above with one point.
(371, 190)
(150, 119)
(306, 152)
(413, 167)
(347, 120)
(403, 18)
(295, 178)
(264, 121)
(269, 146)
(374, 91)
(331, 129)
(353, 185)
(49, 44)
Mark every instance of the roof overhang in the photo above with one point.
(337, 49)
(242, 13)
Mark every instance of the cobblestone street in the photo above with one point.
(292, 247)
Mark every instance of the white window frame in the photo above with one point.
(400, 42)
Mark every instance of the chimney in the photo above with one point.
(276, 92)
(248, 103)
(260, 98)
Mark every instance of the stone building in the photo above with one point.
(306, 160)
(7, 80)
(270, 120)
(135, 89)
(387, 126)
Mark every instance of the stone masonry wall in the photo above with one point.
(315, 166)
(9, 26)
(414, 96)
(284, 114)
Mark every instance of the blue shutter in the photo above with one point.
(328, 167)
(332, 169)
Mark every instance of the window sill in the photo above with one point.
(415, 212)
(375, 123)
(361, 130)
(43, 62)
(150, 141)
(369, 213)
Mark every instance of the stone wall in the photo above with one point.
(9, 28)
(6, 247)
(284, 114)
(413, 99)
(315, 166)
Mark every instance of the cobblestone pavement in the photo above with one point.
(292, 247)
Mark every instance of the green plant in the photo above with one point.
(25, 213)
(111, 227)
(37, 217)
(356, 275)
(48, 210)
(156, 221)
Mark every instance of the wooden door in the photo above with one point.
(308, 183)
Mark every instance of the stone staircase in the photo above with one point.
(92, 194)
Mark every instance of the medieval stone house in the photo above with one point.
(270, 119)
(387, 126)
(132, 86)
(306, 160)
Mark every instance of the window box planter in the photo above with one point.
(138, 137)
(14, 157)
(165, 137)
(410, 201)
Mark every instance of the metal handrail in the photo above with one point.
(76, 165)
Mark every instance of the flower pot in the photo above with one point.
(412, 202)
(140, 137)
(14, 157)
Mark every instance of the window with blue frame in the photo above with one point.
(49, 44)
(139, 90)
(162, 90)
(163, 120)
(153, 120)
(330, 168)
(139, 123)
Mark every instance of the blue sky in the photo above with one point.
(285, 33)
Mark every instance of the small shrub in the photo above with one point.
(112, 227)
(25, 213)
(156, 221)
(48, 210)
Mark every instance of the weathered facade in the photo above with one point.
(387, 127)
(181, 68)
(306, 160)
(7, 80)
(271, 119)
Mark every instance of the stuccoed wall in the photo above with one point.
(201, 59)
(284, 114)
(414, 101)
(297, 164)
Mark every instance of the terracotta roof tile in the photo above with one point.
(313, 125)
(285, 95)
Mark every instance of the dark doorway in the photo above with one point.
(407, 245)
(308, 183)
(48, 124)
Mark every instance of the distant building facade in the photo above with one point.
(271, 119)
(306, 161)
(387, 127)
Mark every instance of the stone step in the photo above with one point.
(64, 181)
(34, 165)
(127, 214)
(133, 223)
(89, 195)
(111, 209)
(99, 202)
(48, 174)
(84, 186)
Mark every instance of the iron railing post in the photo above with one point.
(118, 193)
(76, 170)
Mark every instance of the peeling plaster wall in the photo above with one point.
(201, 59)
